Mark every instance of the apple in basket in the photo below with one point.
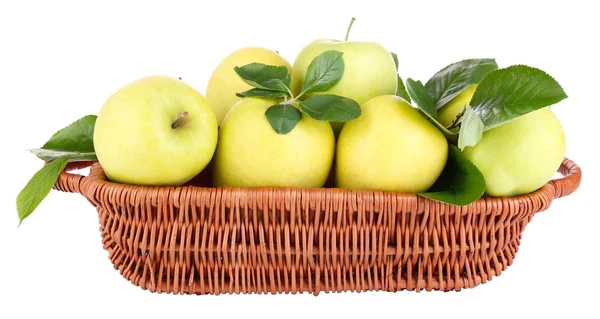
(224, 83)
(252, 153)
(369, 71)
(157, 130)
(390, 147)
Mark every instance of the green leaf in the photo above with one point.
(269, 94)
(401, 90)
(324, 72)
(421, 96)
(329, 107)
(77, 137)
(450, 81)
(508, 93)
(471, 129)
(395, 57)
(38, 187)
(268, 77)
(50, 155)
(461, 182)
(283, 117)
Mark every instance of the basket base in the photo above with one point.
(232, 271)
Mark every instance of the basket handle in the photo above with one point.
(69, 182)
(569, 182)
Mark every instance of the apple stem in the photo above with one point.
(349, 27)
(180, 120)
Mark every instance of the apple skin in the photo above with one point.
(390, 147)
(447, 113)
(224, 83)
(369, 70)
(251, 154)
(134, 140)
(520, 156)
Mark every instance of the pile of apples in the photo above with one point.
(159, 130)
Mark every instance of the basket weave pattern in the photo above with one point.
(203, 240)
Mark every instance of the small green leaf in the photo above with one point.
(268, 77)
(329, 107)
(38, 187)
(461, 182)
(324, 72)
(401, 90)
(419, 94)
(77, 137)
(395, 57)
(508, 93)
(471, 129)
(269, 94)
(283, 117)
(450, 81)
(50, 155)
(426, 106)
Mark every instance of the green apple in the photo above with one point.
(390, 147)
(369, 70)
(251, 154)
(447, 113)
(521, 155)
(155, 131)
(224, 83)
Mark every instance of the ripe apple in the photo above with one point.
(251, 154)
(369, 70)
(224, 83)
(521, 155)
(447, 113)
(390, 147)
(155, 131)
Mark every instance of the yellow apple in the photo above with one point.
(155, 131)
(447, 113)
(251, 154)
(390, 147)
(224, 83)
(369, 70)
(521, 155)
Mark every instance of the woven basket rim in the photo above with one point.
(554, 188)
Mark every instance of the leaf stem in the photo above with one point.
(349, 27)
(290, 92)
(457, 120)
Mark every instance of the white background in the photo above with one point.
(60, 61)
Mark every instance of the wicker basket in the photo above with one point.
(205, 240)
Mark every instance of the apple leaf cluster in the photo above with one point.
(501, 95)
(273, 82)
(70, 144)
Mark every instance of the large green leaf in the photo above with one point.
(324, 72)
(461, 182)
(269, 94)
(268, 77)
(421, 97)
(38, 187)
(329, 107)
(450, 81)
(283, 117)
(77, 137)
(508, 93)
